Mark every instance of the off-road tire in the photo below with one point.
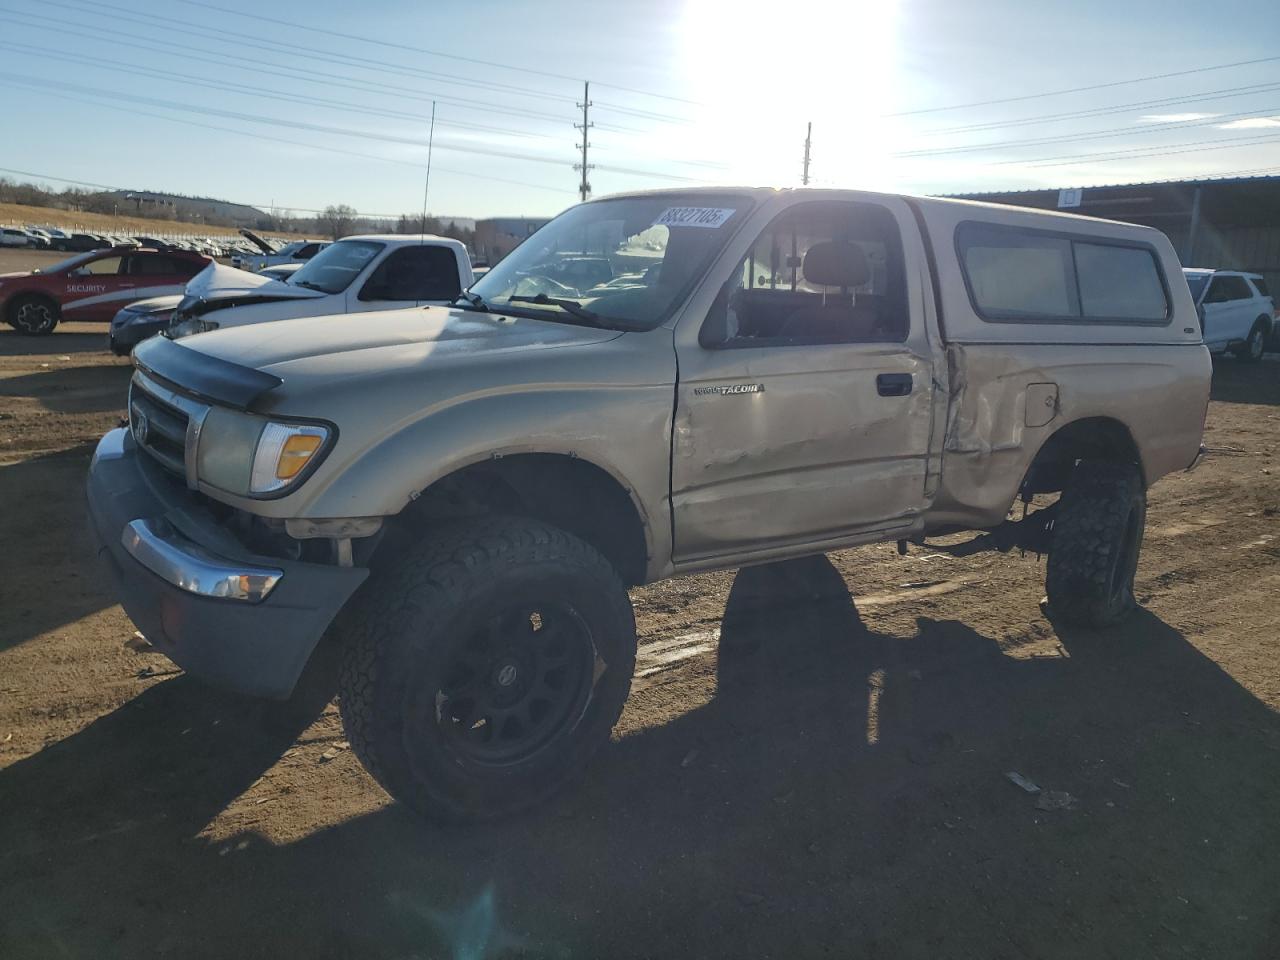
(1097, 537)
(33, 315)
(397, 638)
(1255, 346)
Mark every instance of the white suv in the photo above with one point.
(1236, 310)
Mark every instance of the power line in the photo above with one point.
(326, 78)
(320, 128)
(421, 50)
(154, 20)
(342, 105)
(1129, 130)
(1102, 111)
(1141, 153)
(274, 121)
(1093, 86)
(133, 111)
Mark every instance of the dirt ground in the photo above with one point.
(804, 779)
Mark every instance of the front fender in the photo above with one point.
(624, 430)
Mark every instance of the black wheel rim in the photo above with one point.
(519, 681)
(34, 317)
(1126, 556)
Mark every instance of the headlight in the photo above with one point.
(252, 456)
(186, 328)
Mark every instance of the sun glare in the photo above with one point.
(761, 70)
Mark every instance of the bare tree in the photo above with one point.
(337, 221)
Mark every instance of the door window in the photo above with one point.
(104, 266)
(819, 273)
(414, 273)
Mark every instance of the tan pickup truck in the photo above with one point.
(652, 384)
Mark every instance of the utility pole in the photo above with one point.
(804, 178)
(584, 188)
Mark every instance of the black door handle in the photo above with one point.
(893, 384)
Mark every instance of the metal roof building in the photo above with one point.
(1230, 223)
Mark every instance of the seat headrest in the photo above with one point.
(836, 264)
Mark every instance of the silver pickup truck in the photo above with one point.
(457, 499)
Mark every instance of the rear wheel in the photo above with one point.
(1252, 349)
(33, 315)
(1097, 536)
(484, 670)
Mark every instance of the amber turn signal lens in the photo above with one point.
(295, 453)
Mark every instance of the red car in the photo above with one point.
(93, 286)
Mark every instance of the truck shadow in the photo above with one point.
(1236, 382)
(844, 790)
(48, 570)
(14, 344)
(67, 389)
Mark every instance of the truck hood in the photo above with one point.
(372, 343)
(219, 282)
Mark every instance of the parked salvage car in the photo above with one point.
(80, 243)
(138, 321)
(458, 499)
(296, 251)
(354, 275)
(146, 318)
(92, 286)
(15, 237)
(1237, 312)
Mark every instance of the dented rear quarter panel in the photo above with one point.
(1159, 393)
(1153, 378)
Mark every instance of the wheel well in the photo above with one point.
(564, 491)
(1094, 438)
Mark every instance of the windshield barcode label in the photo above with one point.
(693, 217)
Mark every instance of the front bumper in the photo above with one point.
(239, 621)
(125, 337)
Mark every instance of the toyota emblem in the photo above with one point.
(141, 428)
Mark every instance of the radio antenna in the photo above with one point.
(426, 186)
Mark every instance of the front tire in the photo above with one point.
(33, 315)
(1097, 537)
(483, 671)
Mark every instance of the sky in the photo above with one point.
(294, 107)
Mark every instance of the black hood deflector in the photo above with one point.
(209, 378)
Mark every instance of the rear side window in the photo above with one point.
(1225, 288)
(1019, 275)
(1261, 285)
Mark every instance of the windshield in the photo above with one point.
(1197, 281)
(630, 260)
(333, 268)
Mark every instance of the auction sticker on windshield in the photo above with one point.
(693, 217)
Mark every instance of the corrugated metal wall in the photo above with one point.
(1252, 249)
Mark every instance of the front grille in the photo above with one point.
(159, 420)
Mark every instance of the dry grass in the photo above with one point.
(17, 214)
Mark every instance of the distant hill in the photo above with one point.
(177, 207)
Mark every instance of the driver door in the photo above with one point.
(805, 408)
(95, 290)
